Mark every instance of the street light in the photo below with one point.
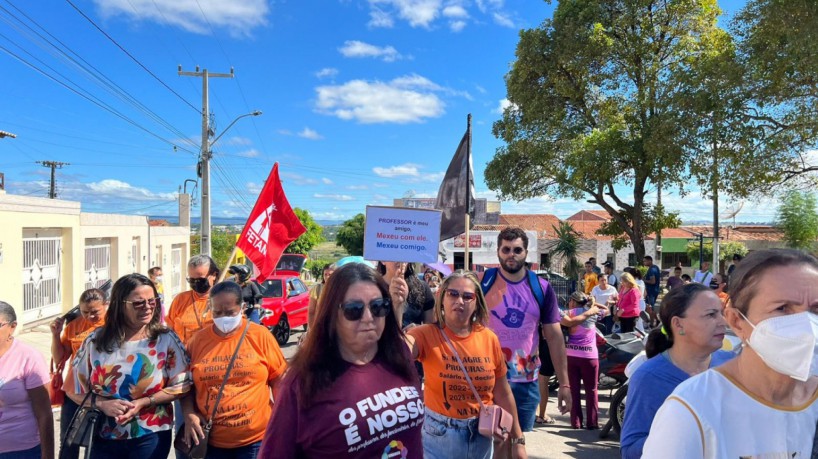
(7, 134)
(207, 153)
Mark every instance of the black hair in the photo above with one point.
(674, 304)
(112, 334)
(648, 257)
(7, 312)
(686, 277)
(510, 234)
(228, 287)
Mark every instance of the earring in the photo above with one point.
(682, 331)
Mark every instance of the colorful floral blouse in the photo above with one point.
(135, 370)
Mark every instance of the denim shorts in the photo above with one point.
(449, 438)
(527, 398)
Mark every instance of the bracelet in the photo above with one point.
(153, 402)
(566, 386)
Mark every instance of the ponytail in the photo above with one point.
(674, 304)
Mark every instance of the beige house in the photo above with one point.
(51, 251)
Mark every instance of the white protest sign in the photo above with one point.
(401, 234)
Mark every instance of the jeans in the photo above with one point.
(527, 398)
(69, 407)
(628, 324)
(33, 453)
(253, 315)
(151, 446)
(178, 420)
(587, 371)
(242, 452)
(449, 438)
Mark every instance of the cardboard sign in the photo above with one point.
(401, 234)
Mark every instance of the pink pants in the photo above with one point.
(586, 370)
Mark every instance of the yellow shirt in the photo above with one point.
(591, 280)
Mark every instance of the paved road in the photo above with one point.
(556, 441)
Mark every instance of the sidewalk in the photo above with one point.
(555, 441)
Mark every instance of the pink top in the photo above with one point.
(21, 368)
(629, 303)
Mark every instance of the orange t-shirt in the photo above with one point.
(446, 390)
(188, 314)
(245, 406)
(76, 331)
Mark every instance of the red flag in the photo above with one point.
(271, 227)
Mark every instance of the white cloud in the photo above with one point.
(502, 106)
(408, 99)
(419, 13)
(503, 20)
(334, 197)
(284, 132)
(480, 89)
(298, 179)
(308, 133)
(485, 5)
(356, 48)
(380, 18)
(410, 173)
(326, 181)
(241, 141)
(357, 187)
(237, 18)
(251, 153)
(457, 26)
(326, 72)
(119, 188)
(380, 185)
(455, 11)
(381, 198)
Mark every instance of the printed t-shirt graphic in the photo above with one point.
(368, 412)
(188, 314)
(514, 316)
(245, 406)
(582, 338)
(446, 390)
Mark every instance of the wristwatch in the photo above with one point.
(518, 441)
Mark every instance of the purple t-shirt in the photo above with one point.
(514, 316)
(21, 368)
(673, 282)
(367, 412)
(582, 338)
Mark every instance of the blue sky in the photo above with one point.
(363, 101)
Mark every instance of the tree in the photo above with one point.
(726, 250)
(221, 246)
(567, 248)
(654, 219)
(611, 98)
(798, 218)
(351, 235)
(308, 240)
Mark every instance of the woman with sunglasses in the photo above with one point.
(246, 403)
(135, 367)
(451, 419)
(351, 390)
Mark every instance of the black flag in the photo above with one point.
(456, 195)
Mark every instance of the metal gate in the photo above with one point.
(97, 262)
(175, 270)
(42, 290)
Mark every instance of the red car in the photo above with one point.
(285, 298)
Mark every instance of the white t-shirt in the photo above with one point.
(602, 296)
(641, 284)
(702, 277)
(710, 416)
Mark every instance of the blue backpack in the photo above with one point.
(533, 283)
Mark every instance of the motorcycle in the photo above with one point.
(615, 351)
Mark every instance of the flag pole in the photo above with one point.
(466, 260)
(227, 266)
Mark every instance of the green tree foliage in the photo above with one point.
(221, 245)
(594, 112)
(351, 235)
(798, 218)
(726, 250)
(316, 268)
(308, 240)
(567, 247)
(654, 218)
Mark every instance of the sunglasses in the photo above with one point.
(508, 250)
(354, 310)
(140, 305)
(467, 296)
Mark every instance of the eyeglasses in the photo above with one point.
(139, 305)
(354, 310)
(508, 250)
(467, 296)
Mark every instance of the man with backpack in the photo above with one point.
(519, 301)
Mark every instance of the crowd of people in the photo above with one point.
(400, 365)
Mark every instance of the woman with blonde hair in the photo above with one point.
(627, 307)
(451, 418)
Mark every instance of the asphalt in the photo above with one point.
(554, 441)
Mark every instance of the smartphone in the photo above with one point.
(71, 314)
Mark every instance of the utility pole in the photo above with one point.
(204, 159)
(52, 193)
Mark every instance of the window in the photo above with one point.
(272, 288)
(632, 259)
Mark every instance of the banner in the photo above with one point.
(271, 227)
(456, 195)
(401, 234)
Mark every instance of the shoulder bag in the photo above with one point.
(55, 390)
(83, 426)
(200, 451)
(494, 422)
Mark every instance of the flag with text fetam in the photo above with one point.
(271, 227)
(456, 195)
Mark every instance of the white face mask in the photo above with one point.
(158, 278)
(787, 344)
(227, 324)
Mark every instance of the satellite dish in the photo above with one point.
(731, 211)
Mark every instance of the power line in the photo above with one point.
(131, 56)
